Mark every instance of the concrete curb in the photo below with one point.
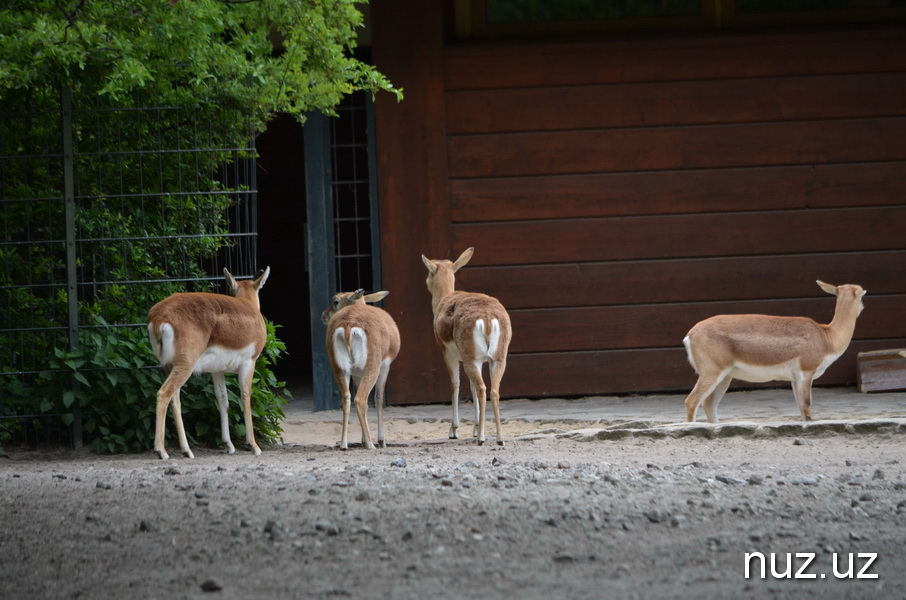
(638, 429)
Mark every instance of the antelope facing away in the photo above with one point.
(362, 341)
(199, 332)
(472, 329)
(759, 348)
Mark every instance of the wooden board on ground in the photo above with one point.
(882, 370)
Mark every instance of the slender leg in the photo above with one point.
(473, 371)
(705, 385)
(223, 403)
(713, 399)
(363, 390)
(343, 383)
(452, 361)
(497, 368)
(476, 427)
(180, 429)
(379, 400)
(802, 391)
(245, 384)
(175, 379)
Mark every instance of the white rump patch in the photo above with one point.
(163, 347)
(688, 344)
(352, 358)
(486, 344)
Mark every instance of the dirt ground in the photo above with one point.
(553, 514)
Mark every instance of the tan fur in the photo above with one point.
(455, 316)
(767, 348)
(202, 324)
(348, 310)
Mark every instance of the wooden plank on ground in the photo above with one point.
(882, 370)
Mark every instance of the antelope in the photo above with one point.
(199, 332)
(471, 329)
(362, 342)
(760, 348)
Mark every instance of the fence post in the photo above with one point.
(321, 252)
(71, 273)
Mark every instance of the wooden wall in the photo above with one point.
(618, 191)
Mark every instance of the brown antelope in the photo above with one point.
(760, 348)
(200, 332)
(362, 341)
(472, 329)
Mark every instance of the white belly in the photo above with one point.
(763, 373)
(221, 360)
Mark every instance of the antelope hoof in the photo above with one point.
(162, 454)
(453, 434)
(481, 442)
(382, 444)
(230, 448)
(500, 443)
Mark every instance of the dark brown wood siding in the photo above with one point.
(618, 191)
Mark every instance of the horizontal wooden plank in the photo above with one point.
(639, 371)
(665, 325)
(881, 370)
(674, 58)
(717, 146)
(673, 192)
(695, 280)
(683, 236)
(676, 103)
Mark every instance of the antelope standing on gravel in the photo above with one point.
(759, 348)
(200, 332)
(472, 329)
(362, 341)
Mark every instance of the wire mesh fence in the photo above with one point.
(104, 210)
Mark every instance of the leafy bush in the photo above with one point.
(117, 383)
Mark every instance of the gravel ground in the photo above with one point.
(552, 514)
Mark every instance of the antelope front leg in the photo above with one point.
(223, 403)
(453, 369)
(802, 390)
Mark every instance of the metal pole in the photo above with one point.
(320, 252)
(71, 281)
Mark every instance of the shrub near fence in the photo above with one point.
(105, 211)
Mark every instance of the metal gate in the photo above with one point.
(103, 211)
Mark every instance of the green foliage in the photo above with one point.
(117, 392)
(214, 72)
(187, 53)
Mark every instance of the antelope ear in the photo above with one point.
(463, 259)
(430, 264)
(830, 289)
(354, 296)
(376, 297)
(261, 277)
(231, 282)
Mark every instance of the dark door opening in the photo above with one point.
(282, 245)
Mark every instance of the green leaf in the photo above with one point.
(68, 398)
